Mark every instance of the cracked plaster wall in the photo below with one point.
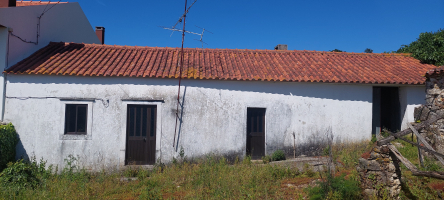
(214, 116)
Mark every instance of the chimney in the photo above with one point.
(100, 32)
(7, 3)
(280, 47)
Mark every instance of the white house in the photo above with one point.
(115, 105)
(27, 26)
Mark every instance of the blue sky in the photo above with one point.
(348, 25)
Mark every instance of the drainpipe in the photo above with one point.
(4, 97)
(5, 76)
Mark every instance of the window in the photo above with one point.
(76, 119)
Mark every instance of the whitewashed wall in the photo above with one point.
(214, 115)
(410, 97)
(65, 22)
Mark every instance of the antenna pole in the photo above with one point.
(180, 71)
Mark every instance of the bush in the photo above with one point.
(308, 171)
(278, 155)
(373, 140)
(8, 141)
(22, 174)
(336, 188)
(326, 151)
(152, 191)
(18, 175)
(266, 159)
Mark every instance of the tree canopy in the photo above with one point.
(428, 48)
(368, 50)
(336, 50)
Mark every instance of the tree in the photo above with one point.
(336, 50)
(368, 50)
(428, 48)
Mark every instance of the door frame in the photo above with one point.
(123, 120)
(377, 112)
(245, 128)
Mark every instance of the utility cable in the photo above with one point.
(38, 26)
(23, 40)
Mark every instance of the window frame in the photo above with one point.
(89, 119)
(76, 124)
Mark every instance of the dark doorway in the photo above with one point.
(386, 109)
(256, 132)
(141, 135)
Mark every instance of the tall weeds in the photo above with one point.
(209, 178)
(348, 153)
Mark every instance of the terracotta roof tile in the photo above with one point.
(225, 64)
(435, 71)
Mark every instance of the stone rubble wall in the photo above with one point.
(380, 173)
(434, 134)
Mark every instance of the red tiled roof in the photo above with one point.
(436, 71)
(35, 3)
(225, 64)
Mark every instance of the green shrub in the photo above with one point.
(266, 159)
(308, 171)
(278, 155)
(385, 132)
(373, 140)
(339, 187)
(152, 191)
(18, 175)
(8, 141)
(22, 174)
(326, 151)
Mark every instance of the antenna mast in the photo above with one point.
(184, 16)
(173, 29)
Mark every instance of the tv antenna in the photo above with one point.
(199, 34)
(182, 19)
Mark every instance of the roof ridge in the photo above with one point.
(239, 50)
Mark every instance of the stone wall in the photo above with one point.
(433, 134)
(380, 174)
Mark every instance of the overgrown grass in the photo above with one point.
(411, 153)
(336, 188)
(210, 178)
(344, 183)
(414, 187)
(348, 153)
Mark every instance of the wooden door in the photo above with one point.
(256, 132)
(141, 135)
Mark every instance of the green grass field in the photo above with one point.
(207, 178)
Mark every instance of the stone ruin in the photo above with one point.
(379, 170)
(433, 134)
(380, 173)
